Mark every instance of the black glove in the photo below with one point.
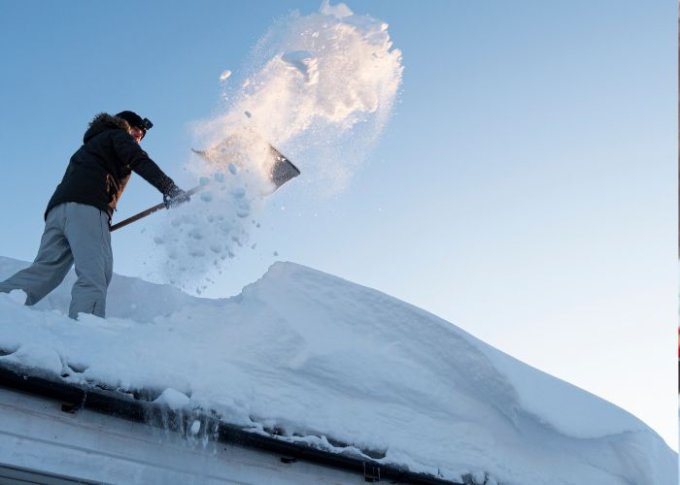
(175, 196)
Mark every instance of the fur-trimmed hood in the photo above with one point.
(103, 122)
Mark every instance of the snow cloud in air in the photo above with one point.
(318, 87)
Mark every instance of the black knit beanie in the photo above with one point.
(135, 120)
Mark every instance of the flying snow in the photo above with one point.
(319, 87)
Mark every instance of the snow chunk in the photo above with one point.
(38, 356)
(305, 63)
(339, 11)
(173, 399)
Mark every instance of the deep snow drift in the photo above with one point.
(325, 359)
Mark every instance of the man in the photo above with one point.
(78, 215)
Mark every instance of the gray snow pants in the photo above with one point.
(73, 233)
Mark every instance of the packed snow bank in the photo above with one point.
(328, 361)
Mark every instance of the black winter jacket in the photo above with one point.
(98, 172)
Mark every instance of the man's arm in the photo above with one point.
(132, 155)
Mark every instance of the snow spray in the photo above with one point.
(318, 87)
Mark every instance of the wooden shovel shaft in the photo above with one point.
(282, 171)
(150, 210)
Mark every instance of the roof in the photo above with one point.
(138, 407)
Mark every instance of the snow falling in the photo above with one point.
(320, 88)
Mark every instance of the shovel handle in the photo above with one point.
(150, 210)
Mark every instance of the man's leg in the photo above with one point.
(88, 234)
(51, 265)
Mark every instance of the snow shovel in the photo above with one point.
(151, 210)
(281, 172)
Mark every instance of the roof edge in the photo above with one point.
(123, 405)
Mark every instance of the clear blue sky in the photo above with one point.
(524, 189)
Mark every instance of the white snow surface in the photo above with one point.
(330, 361)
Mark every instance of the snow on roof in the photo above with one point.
(323, 359)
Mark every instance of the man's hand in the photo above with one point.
(174, 197)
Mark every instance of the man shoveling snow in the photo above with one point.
(78, 216)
